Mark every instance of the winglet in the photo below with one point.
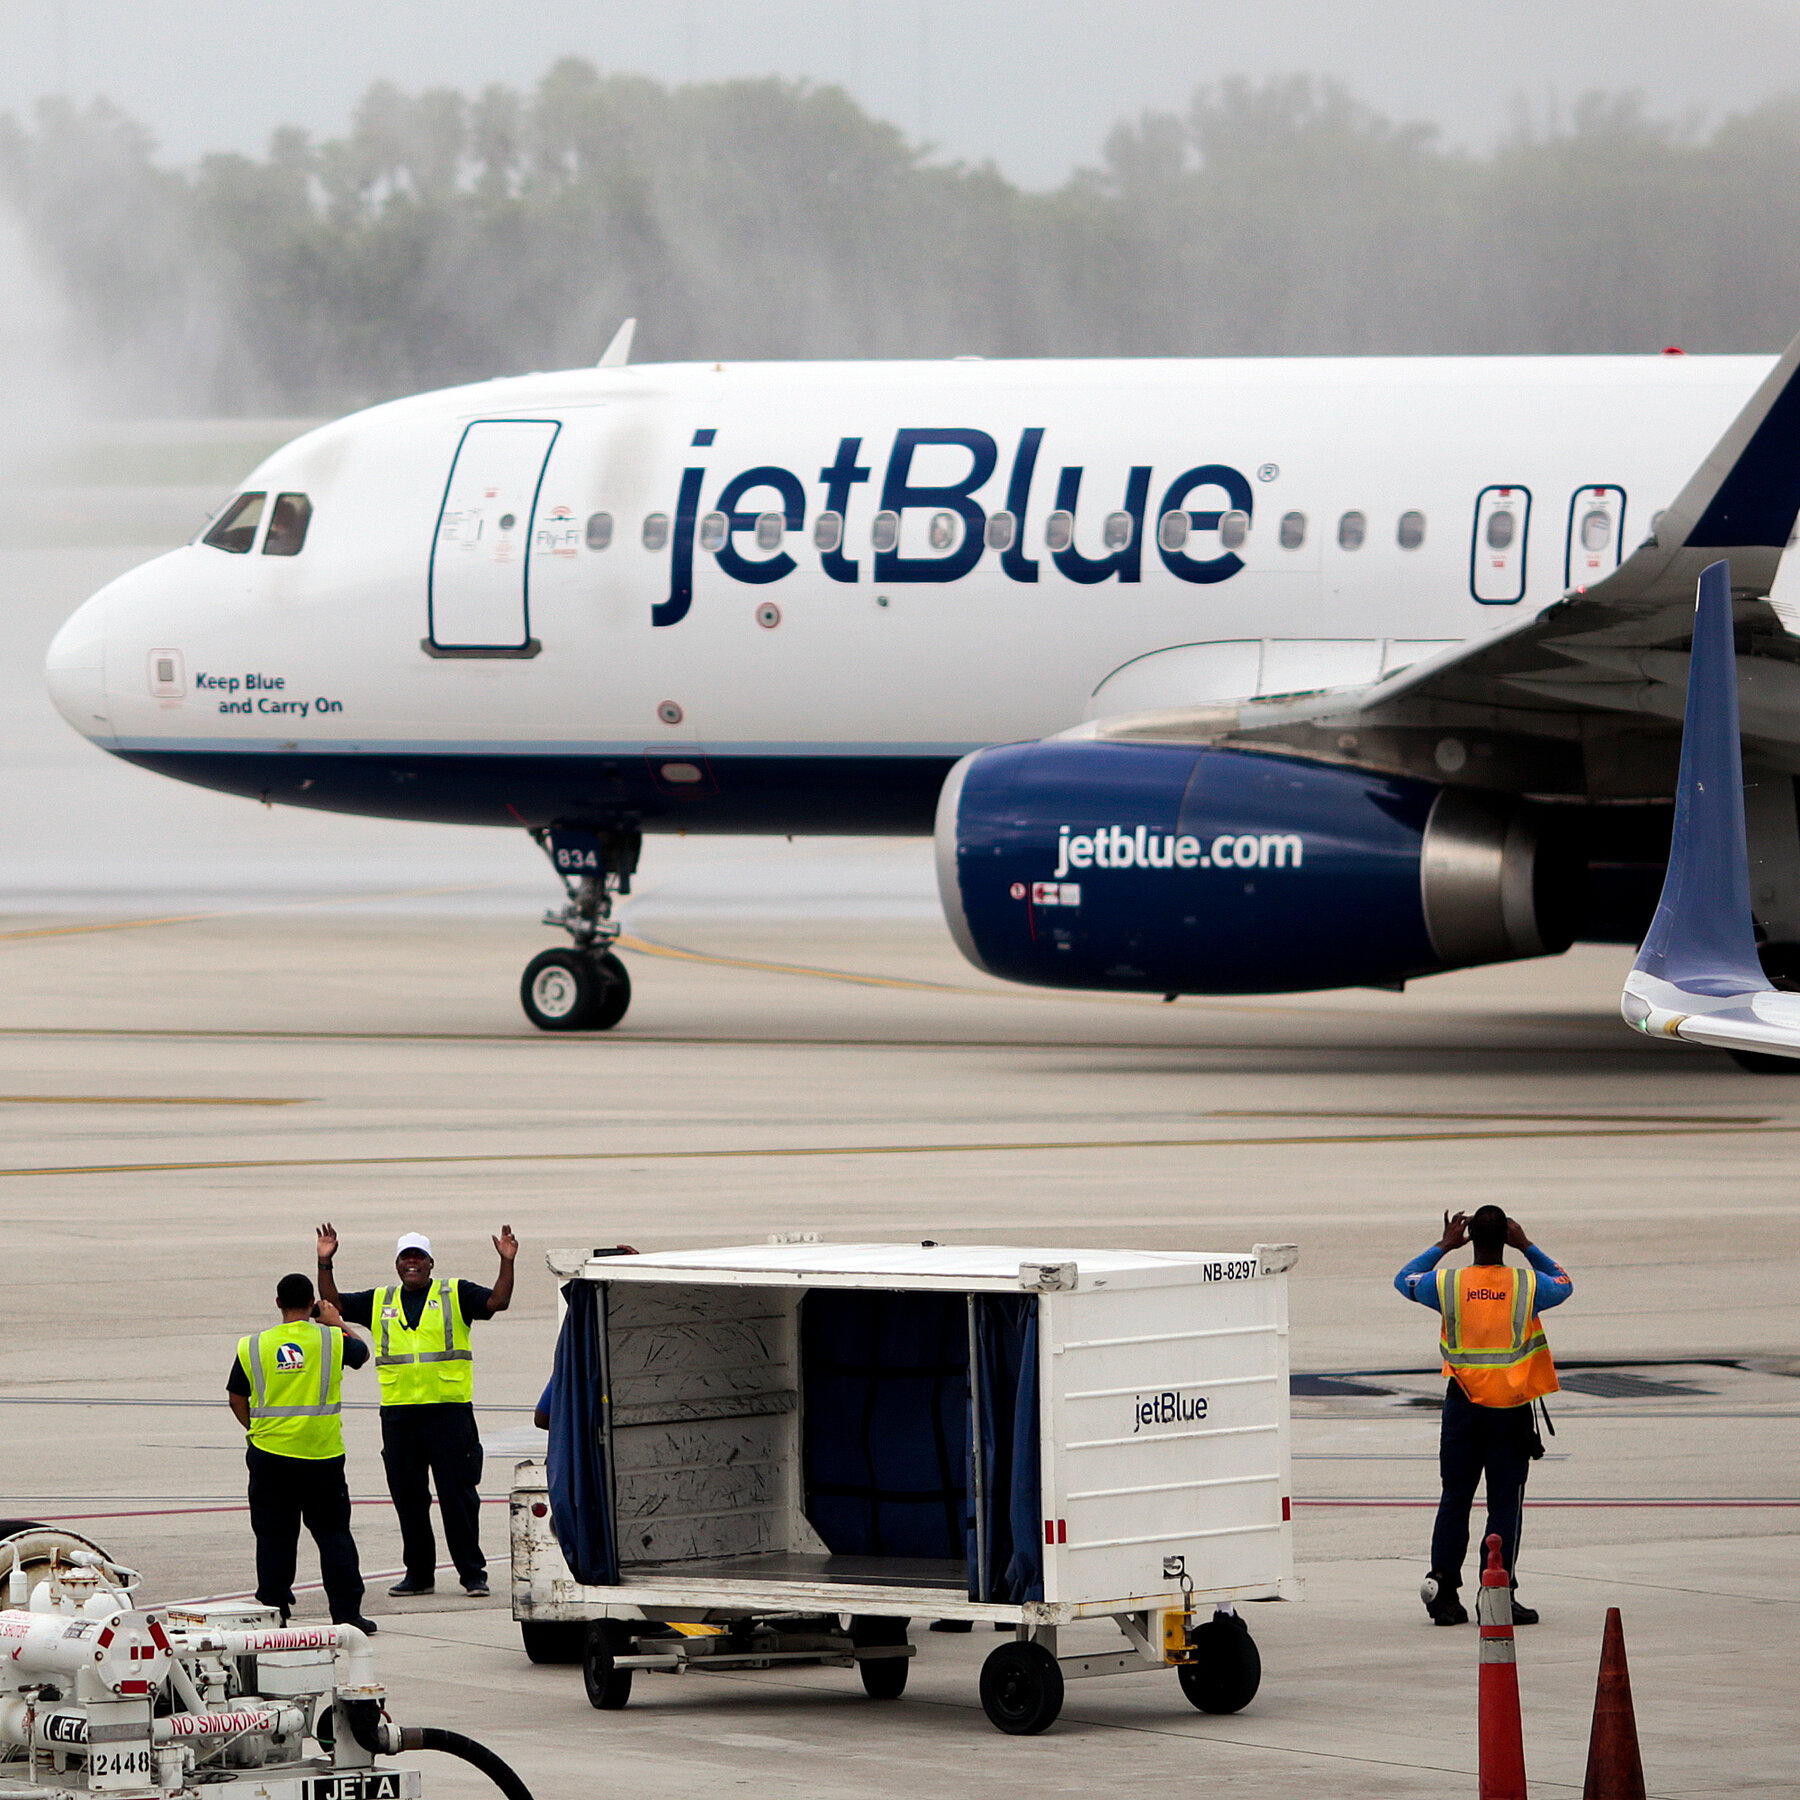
(1698, 975)
(618, 353)
(1701, 937)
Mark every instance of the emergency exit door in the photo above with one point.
(1596, 535)
(480, 587)
(1497, 554)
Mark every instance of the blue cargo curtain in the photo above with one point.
(580, 1484)
(1006, 1367)
(885, 1430)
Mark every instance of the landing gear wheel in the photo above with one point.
(1759, 1062)
(1021, 1689)
(1227, 1669)
(553, 1640)
(559, 990)
(615, 997)
(608, 1688)
(884, 1678)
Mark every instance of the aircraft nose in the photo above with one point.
(75, 673)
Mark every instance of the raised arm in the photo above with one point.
(1412, 1283)
(1554, 1285)
(328, 1243)
(501, 1296)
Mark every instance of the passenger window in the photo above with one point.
(884, 530)
(656, 531)
(1412, 530)
(713, 532)
(1059, 531)
(1596, 531)
(770, 529)
(1172, 530)
(1353, 527)
(828, 531)
(1293, 530)
(236, 527)
(599, 530)
(287, 525)
(1500, 528)
(1002, 527)
(943, 530)
(1115, 534)
(1234, 527)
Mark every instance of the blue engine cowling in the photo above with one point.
(1179, 869)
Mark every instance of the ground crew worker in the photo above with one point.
(1496, 1362)
(286, 1390)
(422, 1355)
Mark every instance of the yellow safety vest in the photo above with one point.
(427, 1366)
(1493, 1345)
(296, 1389)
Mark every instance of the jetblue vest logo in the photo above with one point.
(289, 1358)
(1171, 1407)
(1115, 847)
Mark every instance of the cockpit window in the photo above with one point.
(236, 527)
(287, 525)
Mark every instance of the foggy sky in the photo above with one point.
(1033, 84)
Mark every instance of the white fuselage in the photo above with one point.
(414, 625)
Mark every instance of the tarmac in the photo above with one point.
(220, 1024)
(186, 1099)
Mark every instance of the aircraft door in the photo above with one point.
(479, 596)
(1497, 552)
(1596, 532)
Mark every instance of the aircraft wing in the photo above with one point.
(1585, 695)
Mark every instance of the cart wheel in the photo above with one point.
(607, 1688)
(884, 1678)
(554, 1640)
(1227, 1669)
(1021, 1689)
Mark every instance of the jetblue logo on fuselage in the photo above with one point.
(963, 494)
(1116, 847)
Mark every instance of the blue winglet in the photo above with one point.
(1701, 939)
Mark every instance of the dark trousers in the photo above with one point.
(286, 1492)
(1481, 1440)
(442, 1442)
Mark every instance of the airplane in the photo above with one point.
(1209, 676)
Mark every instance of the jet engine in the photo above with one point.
(1166, 869)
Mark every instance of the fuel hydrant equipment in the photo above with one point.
(100, 1696)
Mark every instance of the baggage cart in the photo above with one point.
(787, 1452)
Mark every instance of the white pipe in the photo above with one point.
(356, 1656)
(283, 1720)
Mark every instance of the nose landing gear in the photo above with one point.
(586, 987)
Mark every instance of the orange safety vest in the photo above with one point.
(1493, 1345)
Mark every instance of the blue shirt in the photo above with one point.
(1415, 1282)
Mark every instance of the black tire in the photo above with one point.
(1759, 1062)
(1227, 1667)
(615, 995)
(1021, 1689)
(608, 1688)
(560, 990)
(554, 1640)
(884, 1678)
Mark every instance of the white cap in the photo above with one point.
(413, 1240)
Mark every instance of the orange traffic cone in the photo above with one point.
(1502, 1734)
(1615, 1771)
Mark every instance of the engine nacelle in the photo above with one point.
(1166, 869)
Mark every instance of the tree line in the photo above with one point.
(445, 238)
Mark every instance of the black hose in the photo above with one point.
(453, 1743)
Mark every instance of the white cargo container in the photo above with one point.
(774, 1437)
